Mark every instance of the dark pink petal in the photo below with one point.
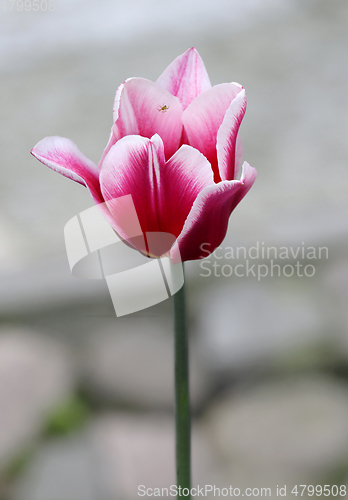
(186, 174)
(63, 156)
(208, 219)
(186, 77)
(203, 118)
(227, 152)
(145, 108)
(162, 193)
(132, 167)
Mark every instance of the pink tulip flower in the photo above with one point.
(174, 147)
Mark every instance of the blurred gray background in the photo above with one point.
(85, 397)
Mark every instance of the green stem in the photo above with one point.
(182, 399)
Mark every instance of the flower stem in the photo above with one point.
(182, 400)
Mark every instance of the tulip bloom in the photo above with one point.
(174, 147)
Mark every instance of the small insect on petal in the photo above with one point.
(163, 108)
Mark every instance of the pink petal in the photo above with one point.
(203, 118)
(187, 173)
(208, 219)
(227, 152)
(63, 156)
(137, 111)
(162, 193)
(238, 158)
(186, 77)
(132, 167)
